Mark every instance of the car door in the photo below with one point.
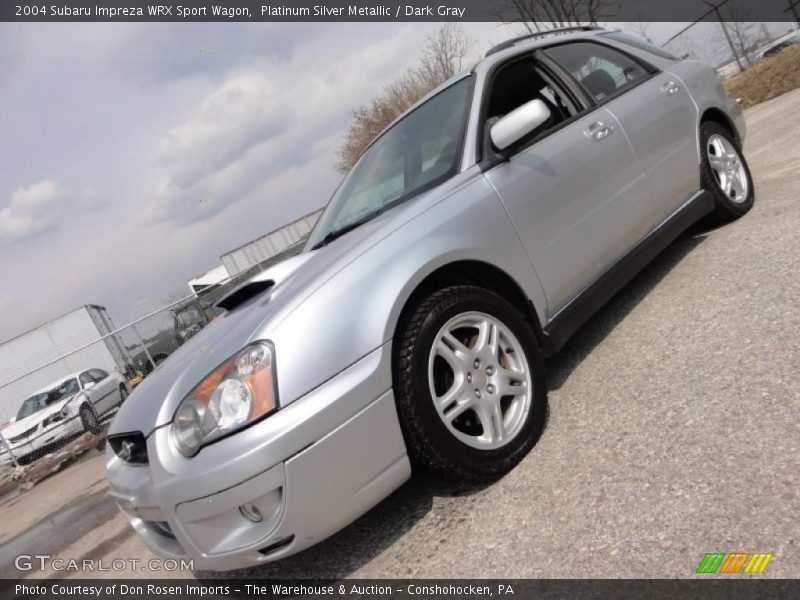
(656, 112)
(90, 389)
(574, 192)
(107, 396)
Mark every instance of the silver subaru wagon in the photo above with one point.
(470, 240)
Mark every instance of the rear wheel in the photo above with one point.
(469, 384)
(725, 173)
(91, 423)
(123, 393)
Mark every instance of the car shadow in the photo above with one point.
(357, 544)
(603, 322)
(350, 549)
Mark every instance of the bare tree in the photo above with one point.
(740, 29)
(543, 15)
(442, 56)
(642, 29)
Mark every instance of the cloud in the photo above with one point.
(32, 210)
(265, 119)
(196, 137)
(230, 121)
(40, 207)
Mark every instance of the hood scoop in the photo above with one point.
(263, 281)
(243, 293)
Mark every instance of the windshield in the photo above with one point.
(39, 401)
(415, 154)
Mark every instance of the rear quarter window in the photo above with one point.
(636, 42)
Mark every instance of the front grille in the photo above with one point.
(52, 419)
(130, 447)
(23, 435)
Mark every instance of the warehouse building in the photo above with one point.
(262, 249)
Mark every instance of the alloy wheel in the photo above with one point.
(728, 168)
(480, 380)
(89, 418)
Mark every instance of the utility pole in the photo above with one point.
(715, 8)
(793, 8)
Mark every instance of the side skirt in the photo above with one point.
(583, 306)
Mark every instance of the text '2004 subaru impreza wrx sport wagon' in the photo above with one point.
(471, 238)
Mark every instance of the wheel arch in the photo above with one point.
(472, 272)
(716, 115)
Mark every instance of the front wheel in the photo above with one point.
(469, 384)
(725, 173)
(91, 424)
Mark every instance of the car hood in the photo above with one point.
(155, 400)
(23, 425)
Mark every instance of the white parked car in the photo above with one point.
(61, 410)
(780, 45)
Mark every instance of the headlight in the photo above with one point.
(237, 393)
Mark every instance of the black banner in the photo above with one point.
(733, 588)
(388, 10)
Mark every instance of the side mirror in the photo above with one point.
(89, 385)
(519, 123)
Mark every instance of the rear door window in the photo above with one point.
(98, 375)
(604, 72)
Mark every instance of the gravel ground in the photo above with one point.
(673, 428)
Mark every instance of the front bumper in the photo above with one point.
(310, 469)
(37, 444)
(18, 453)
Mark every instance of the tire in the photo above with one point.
(716, 169)
(91, 424)
(469, 447)
(123, 394)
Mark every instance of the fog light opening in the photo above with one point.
(251, 513)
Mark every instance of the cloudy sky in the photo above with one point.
(133, 155)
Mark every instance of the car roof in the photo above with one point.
(58, 382)
(526, 43)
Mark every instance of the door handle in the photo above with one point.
(598, 131)
(670, 88)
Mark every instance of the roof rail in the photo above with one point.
(514, 41)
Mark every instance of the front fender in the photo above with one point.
(357, 310)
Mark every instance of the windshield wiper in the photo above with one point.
(337, 233)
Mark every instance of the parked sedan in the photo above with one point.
(470, 240)
(60, 411)
(781, 45)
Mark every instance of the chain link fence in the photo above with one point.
(57, 403)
